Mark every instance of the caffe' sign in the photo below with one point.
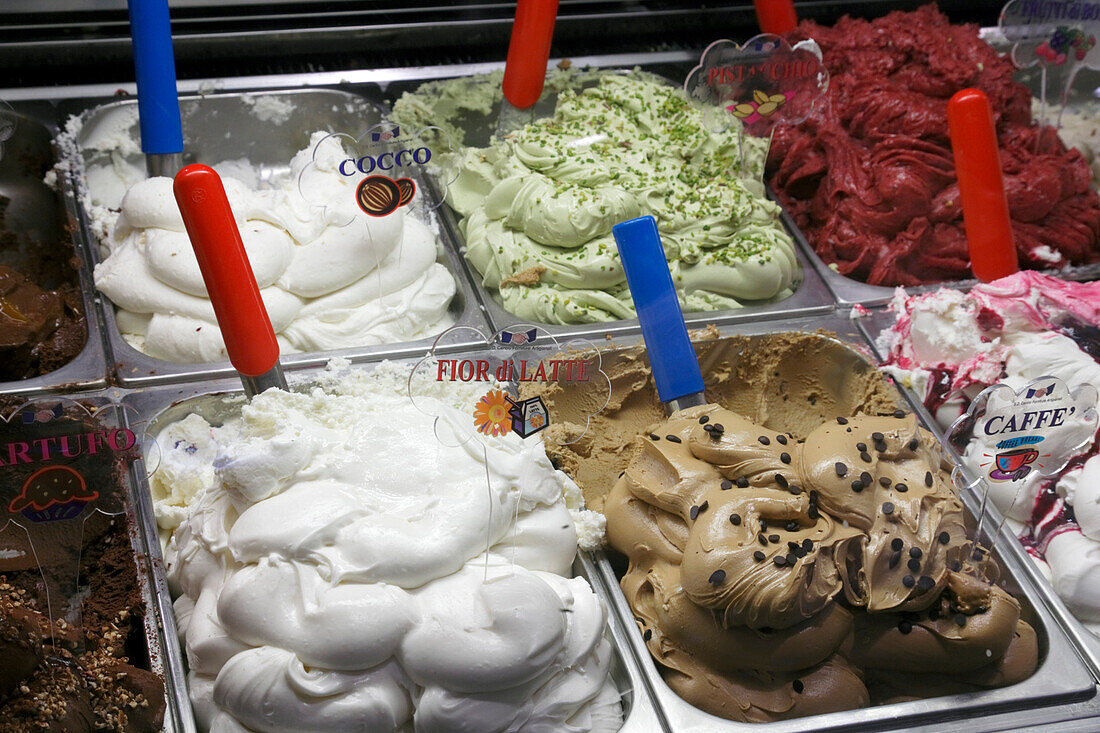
(1035, 430)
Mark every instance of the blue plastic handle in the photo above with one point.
(673, 361)
(158, 103)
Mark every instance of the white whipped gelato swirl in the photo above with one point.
(338, 568)
(327, 283)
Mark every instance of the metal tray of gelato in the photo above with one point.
(849, 292)
(474, 122)
(254, 137)
(811, 296)
(1059, 689)
(125, 651)
(1079, 128)
(153, 408)
(871, 326)
(40, 251)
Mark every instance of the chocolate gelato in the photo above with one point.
(40, 330)
(42, 319)
(870, 177)
(52, 677)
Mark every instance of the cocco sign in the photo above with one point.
(386, 161)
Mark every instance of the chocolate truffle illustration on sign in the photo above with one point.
(378, 195)
(53, 493)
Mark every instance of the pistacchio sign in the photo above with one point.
(762, 83)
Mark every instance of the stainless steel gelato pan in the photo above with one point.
(1061, 686)
(810, 295)
(871, 326)
(264, 129)
(153, 408)
(40, 242)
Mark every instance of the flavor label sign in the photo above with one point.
(1038, 429)
(762, 83)
(1011, 437)
(381, 166)
(521, 360)
(1052, 32)
(1055, 35)
(61, 463)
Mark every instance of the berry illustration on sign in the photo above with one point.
(1058, 36)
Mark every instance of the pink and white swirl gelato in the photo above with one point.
(947, 346)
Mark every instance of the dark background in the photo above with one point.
(58, 42)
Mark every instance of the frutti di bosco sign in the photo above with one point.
(1059, 10)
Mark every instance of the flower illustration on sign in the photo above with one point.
(492, 414)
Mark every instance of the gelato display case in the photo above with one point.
(463, 505)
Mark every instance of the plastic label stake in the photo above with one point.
(981, 186)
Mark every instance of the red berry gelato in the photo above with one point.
(870, 178)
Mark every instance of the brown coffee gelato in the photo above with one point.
(793, 381)
(797, 547)
(774, 577)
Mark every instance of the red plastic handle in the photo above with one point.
(776, 16)
(525, 69)
(981, 186)
(226, 271)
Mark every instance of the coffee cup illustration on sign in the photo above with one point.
(1013, 465)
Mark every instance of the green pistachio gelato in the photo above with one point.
(538, 206)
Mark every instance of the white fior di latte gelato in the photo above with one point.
(338, 568)
(331, 276)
